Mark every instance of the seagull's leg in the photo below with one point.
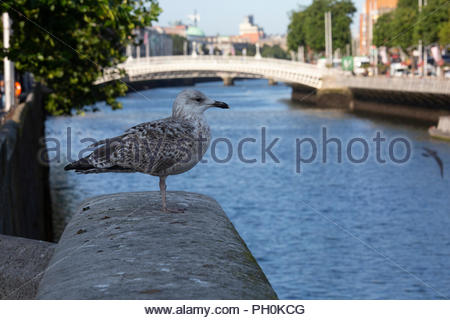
(162, 188)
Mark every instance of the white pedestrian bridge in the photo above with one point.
(226, 67)
(229, 67)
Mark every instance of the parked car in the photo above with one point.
(22, 86)
(361, 66)
(398, 70)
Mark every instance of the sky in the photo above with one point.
(223, 17)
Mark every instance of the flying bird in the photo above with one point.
(432, 153)
(159, 148)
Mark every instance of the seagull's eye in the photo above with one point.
(198, 99)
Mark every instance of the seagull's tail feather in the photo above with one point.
(103, 170)
(79, 165)
(83, 166)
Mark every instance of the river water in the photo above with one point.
(321, 230)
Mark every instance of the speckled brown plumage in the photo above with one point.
(160, 148)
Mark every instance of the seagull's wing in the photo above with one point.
(104, 141)
(128, 131)
(102, 159)
(158, 145)
(149, 147)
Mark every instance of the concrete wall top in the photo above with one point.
(22, 264)
(123, 246)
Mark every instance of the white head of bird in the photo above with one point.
(192, 103)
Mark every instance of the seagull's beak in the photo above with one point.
(220, 104)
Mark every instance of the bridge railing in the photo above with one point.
(278, 69)
(223, 59)
(165, 67)
(424, 85)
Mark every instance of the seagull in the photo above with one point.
(432, 153)
(159, 148)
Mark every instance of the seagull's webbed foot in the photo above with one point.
(162, 187)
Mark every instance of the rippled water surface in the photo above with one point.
(334, 230)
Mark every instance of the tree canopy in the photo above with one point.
(178, 44)
(433, 18)
(274, 52)
(405, 26)
(296, 30)
(67, 44)
(383, 29)
(307, 27)
(396, 28)
(444, 33)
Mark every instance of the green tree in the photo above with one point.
(341, 18)
(296, 30)
(383, 30)
(396, 28)
(404, 26)
(178, 44)
(274, 52)
(434, 16)
(444, 33)
(67, 44)
(412, 4)
(315, 24)
(307, 27)
(251, 50)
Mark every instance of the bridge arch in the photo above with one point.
(173, 67)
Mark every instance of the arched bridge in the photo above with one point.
(229, 67)
(226, 67)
